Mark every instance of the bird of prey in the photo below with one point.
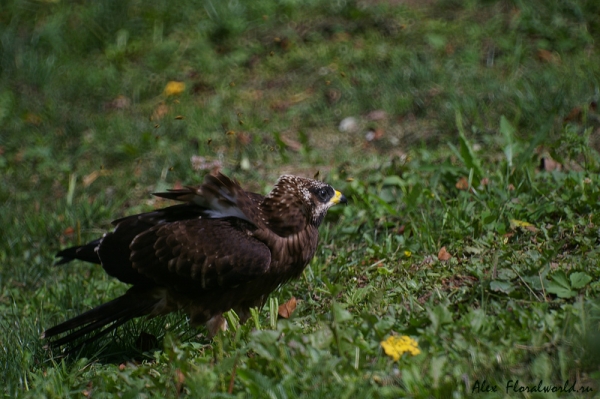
(223, 248)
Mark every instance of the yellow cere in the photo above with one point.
(336, 198)
(395, 346)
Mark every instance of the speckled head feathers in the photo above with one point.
(296, 201)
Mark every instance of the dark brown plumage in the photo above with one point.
(223, 248)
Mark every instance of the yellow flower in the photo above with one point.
(395, 346)
(174, 88)
(407, 254)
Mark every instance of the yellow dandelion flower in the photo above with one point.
(407, 254)
(174, 88)
(395, 346)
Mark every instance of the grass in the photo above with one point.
(473, 94)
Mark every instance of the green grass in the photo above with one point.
(473, 90)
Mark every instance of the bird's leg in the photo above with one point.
(216, 323)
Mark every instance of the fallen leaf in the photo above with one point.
(286, 309)
(519, 223)
(159, 112)
(89, 179)
(69, 231)
(177, 185)
(174, 88)
(179, 380)
(280, 105)
(33, 119)
(332, 96)
(574, 115)
(201, 87)
(374, 135)
(546, 56)
(285, 44)
(514, 223)
(462, 183)
(244, 138)
(121, 102)
(444, 255)
(341, 37)
(377, 115)
(291, 143)
(548, 164)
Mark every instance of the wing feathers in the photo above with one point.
(181, 254)
(220, 197)
(85, 252)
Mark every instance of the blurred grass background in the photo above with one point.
(370, 94)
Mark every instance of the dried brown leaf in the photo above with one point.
(159, 112)
(377, 115)
(462, 183)
(286, 309)
(179, 380)
(548, 164)
(89, 179)
(546, 56)
(444, 255)
(575, 115)
(291, 144)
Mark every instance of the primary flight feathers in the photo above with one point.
(223, 248)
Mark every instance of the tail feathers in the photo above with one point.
(85, 252)
(188, 194)
(102, 320)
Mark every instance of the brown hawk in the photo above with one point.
(224, 248)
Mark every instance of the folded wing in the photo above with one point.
(200, 254)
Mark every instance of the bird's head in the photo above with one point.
(296, 201)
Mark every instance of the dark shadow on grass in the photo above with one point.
(135, 341)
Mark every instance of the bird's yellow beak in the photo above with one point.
(338, 198)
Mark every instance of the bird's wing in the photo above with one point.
(112, 250)
(220, 197)
(200, 254)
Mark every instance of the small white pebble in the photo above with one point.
(349, 124)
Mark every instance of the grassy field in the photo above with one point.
(470, 161)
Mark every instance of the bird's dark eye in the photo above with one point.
(323, 194)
